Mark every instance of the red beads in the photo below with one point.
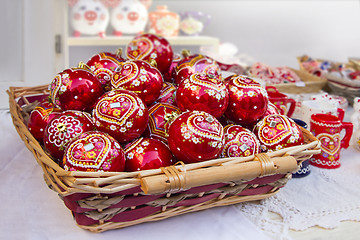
(196, 136)
(122, 114)
(94, 151)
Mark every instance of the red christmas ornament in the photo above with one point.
(75, 89)
(160, 117)
(167, 94)
(103, 65)
(239, 142)
(272, 109)
(122, 114)
(195, 64)
(171, 75)
(147, 153)
(150, 47)
(139, 77)
(40, 117)
(62, 128)
(248, 100)
(94, 151)
(196, 136)
(278, 131)
(203, 92)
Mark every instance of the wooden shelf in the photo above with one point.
(113, 41)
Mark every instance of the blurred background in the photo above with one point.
(36, 34)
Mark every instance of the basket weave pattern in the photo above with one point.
(102, 201)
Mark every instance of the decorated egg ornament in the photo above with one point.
(196, 136)
(160, 117)
(147, 153)
(239, 142)
(122, 114)
(278, 131)
(203, 92)
(149, 47)
(40, 117)
(139, 77)
(103, 65)
(248, 101)
(62, 128)
(94, 151)
(75, 89)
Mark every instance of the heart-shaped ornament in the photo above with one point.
(139, 48)
(126, 72)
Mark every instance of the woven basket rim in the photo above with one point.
(69, 182)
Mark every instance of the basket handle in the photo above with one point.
(174, 180)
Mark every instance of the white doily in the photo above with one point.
(324, 198)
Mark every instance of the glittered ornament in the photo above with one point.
(122, 114)
(147, 153)
(62, 128)
(160, 117)
(239, 142)
(139, 77)
(277, 131)
(196, 136)
(92, 152)
(75, 89)
(248, 100)
(150, 47)
(103, 66)
(167, 94)
(40, 117)
(170, 75)
(196, 63)
(203, 92)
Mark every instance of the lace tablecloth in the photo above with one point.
(324, 198)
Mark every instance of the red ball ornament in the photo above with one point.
(278, 131)
(167, 94)
(122, 114)
(139, 77)
(40, 117)
(203, 92)
(75, 89)
(147, 153)
(248, 100)
(160, 117)
(62, 128)
(150, 47)
(239, 142)
(92, 152)
(103, 65)
(272, 109)
(196, 136)
(196, 63)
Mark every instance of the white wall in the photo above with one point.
(275, 32)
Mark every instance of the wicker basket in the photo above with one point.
(343, 87)
(102, 201)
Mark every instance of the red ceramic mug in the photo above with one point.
(327, 128)
(285, 104)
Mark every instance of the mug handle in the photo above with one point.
(272, 89)
(292, 107)
(341, 113)
(348, 126)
